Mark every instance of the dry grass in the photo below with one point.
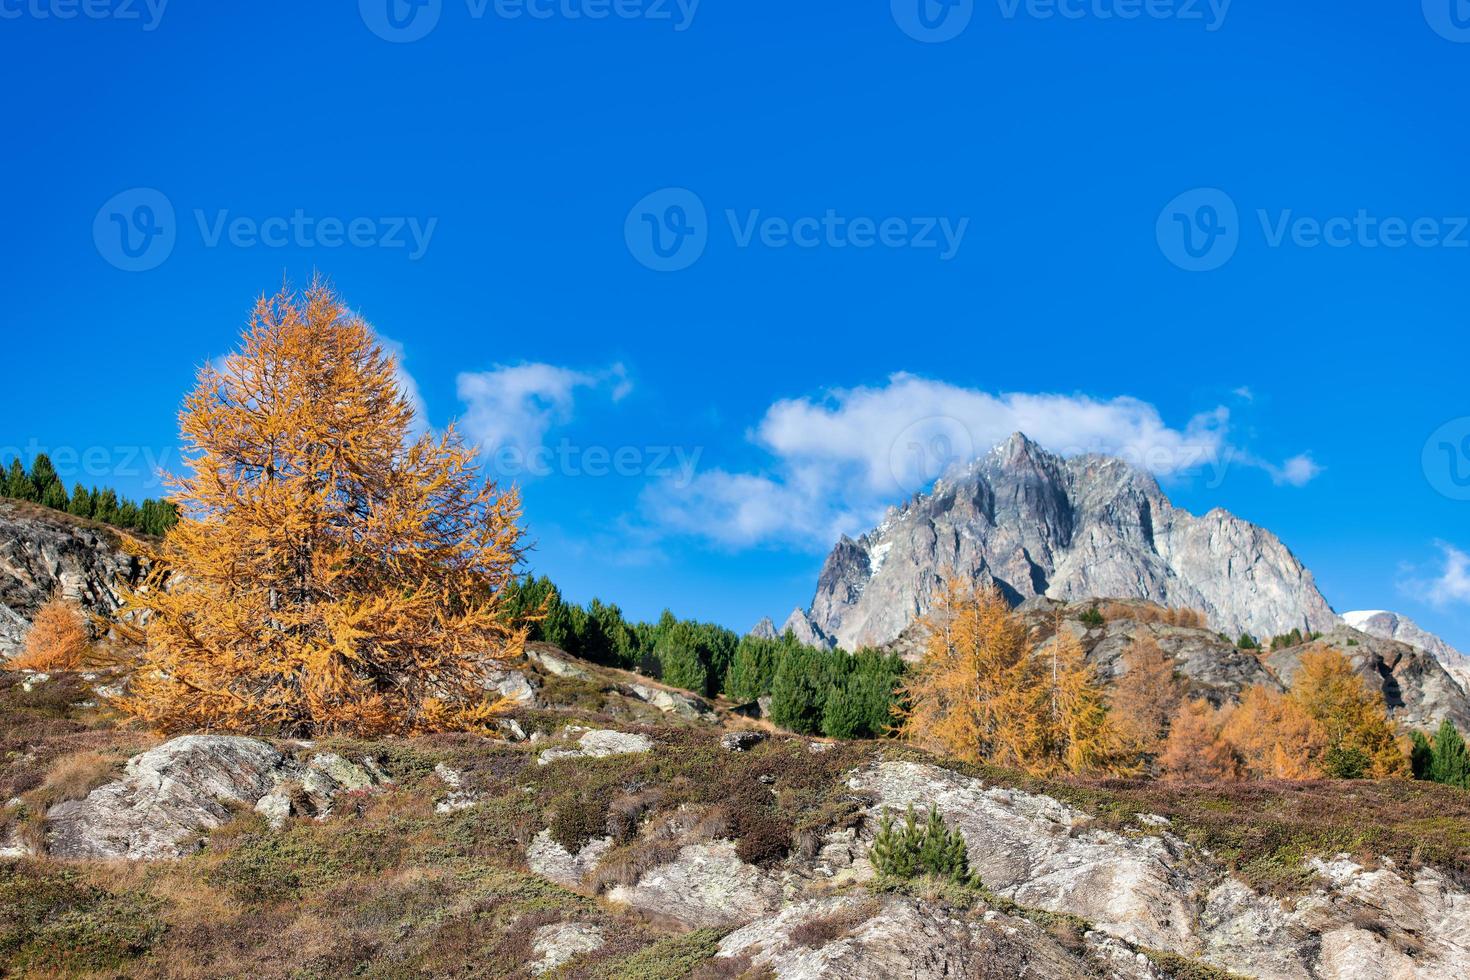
(1149, 613)
(820, 930)
(72, 777)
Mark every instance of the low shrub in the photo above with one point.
(909, 850)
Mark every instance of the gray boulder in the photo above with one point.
(675, 703)
(170, 794)
(561, 942)
(858, 937)
(597, 743)
(706, 885)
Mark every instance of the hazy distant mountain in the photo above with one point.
(1392, 626)
(1033, 523)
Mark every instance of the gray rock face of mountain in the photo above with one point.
(805, 629)
(42, 553)
(1418, 691)
(1032, 523)
(1392, 626)
(764, 630)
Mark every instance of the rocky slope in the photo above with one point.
(1418, 691)
(1392, 626)
(1035, 524)
(42, 552)
(601, 845)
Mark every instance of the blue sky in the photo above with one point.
(897, 238)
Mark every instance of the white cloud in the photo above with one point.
(408, 386)
(514, 406)
(840, 460)
(1453, 583)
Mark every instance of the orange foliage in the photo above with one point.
(57, 641)
(1352, 716)
(1146, 613)
(328, 573)
(1274, 737)
(1147, 696)
(981, 693)
(1331, 724)
(1195, 748)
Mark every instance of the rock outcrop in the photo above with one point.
(705, 885)
(170, 795)
(597, 743)
(671, 702)
(1418, 691)
(43, 552)
(1032, 523)
(1392, 626)
(863, 938)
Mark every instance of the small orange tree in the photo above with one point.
(970, 693)
(57, 641)
(1145, 699)
(1353, 717)
(328, 573)
(982, 693)
(1195, 748)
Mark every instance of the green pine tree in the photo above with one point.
(798, 692)
(18, 483)
(1451, 765)
(80, 504)
(677, 652)
(54, 495)
(1421, 755)
(43, 474)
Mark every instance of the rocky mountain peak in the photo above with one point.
(1034, 523)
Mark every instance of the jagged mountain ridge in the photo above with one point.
(1034, 523)
(1391, 626)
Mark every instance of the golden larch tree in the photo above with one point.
(1076, 733)
(58, 638)
(1195, 748)
(1274, 738)
(970, 695)
(1353, 716)
(329, 572)
(1146, 697)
